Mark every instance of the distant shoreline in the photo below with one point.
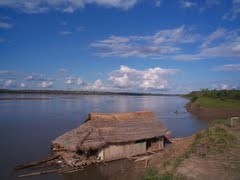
(16, 98)
(10, 91)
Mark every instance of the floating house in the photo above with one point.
(113, 136)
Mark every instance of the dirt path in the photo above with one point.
(199, 168)
(218, 166)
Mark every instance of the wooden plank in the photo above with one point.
(36, 163)
(39, 173)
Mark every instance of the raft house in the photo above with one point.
(106, 137)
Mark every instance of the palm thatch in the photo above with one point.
(102, 129)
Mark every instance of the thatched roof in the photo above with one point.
(101, 129)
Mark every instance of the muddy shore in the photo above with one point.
(210, 114)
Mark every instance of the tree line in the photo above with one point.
(221, 94)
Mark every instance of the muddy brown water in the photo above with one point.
(28, 126)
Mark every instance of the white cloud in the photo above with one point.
(224, 44)
(187, 4)
(149, 79)
(96, 86)
(74, 81)
(8, 83)
(223, 86)
(22, 85)
(160, 43)
(5, 25)
(70, 80)
(216, 35)
(228, 67)
(46, 84)
(133, 80)
(79, 81)
(68, 6)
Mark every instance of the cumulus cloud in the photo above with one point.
(22, 85)
(74, 81)
(9, 83)
(68, 6)
(133, 80)
(79, 81)
(228, 67)
(160, 43)
(149, 79)
(70, 80)
(46, 84)
(97, 85)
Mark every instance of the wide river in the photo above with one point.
(27, 127)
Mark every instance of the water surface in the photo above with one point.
(28, 126)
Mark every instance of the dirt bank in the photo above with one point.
(215, 165)
(210, 114)
(210, 154)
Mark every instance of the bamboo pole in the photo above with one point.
(36, 163)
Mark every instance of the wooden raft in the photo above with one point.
(67, 163)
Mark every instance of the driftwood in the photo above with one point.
(36, 163)
(39, 173)
(70, 170)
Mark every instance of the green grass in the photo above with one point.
(153, 174)
(214, 139)
(217, 103)
(181, 158)
(166, 163)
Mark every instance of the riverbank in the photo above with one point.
(210, 109)
(212, 153)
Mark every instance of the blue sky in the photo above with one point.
(160, 46)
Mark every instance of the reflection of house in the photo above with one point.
(114, 136)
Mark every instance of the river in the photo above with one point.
(27, 127)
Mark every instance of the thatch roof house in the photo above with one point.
(114, 136)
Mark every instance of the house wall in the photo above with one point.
(114, 152)
(156, 145)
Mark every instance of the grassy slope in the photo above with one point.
(212, 145)
(217, 103)
(219, 143)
